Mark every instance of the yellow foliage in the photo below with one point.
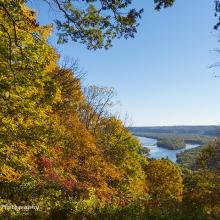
(164, 180)
(8, 174)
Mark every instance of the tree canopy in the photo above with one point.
(94, 23)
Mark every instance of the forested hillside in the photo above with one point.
(61, 149)
(209, 130)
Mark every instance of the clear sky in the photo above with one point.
(161, 76)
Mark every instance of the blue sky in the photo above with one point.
(161, 76)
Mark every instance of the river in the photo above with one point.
(158, 152)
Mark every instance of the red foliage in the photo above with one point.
(58, 149)
(45, 162)
(68, 184)
(51, 175)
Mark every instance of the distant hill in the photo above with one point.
(210, 130)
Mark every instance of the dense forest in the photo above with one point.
(171, 143)
(63, 151)
(189, 157)
(210, 131)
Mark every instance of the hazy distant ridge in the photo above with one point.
(208, 130)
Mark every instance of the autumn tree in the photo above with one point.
(27, 90)
(97, 104)
(202, 195)
(120, 148)
(47, 154)
(165, 181)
